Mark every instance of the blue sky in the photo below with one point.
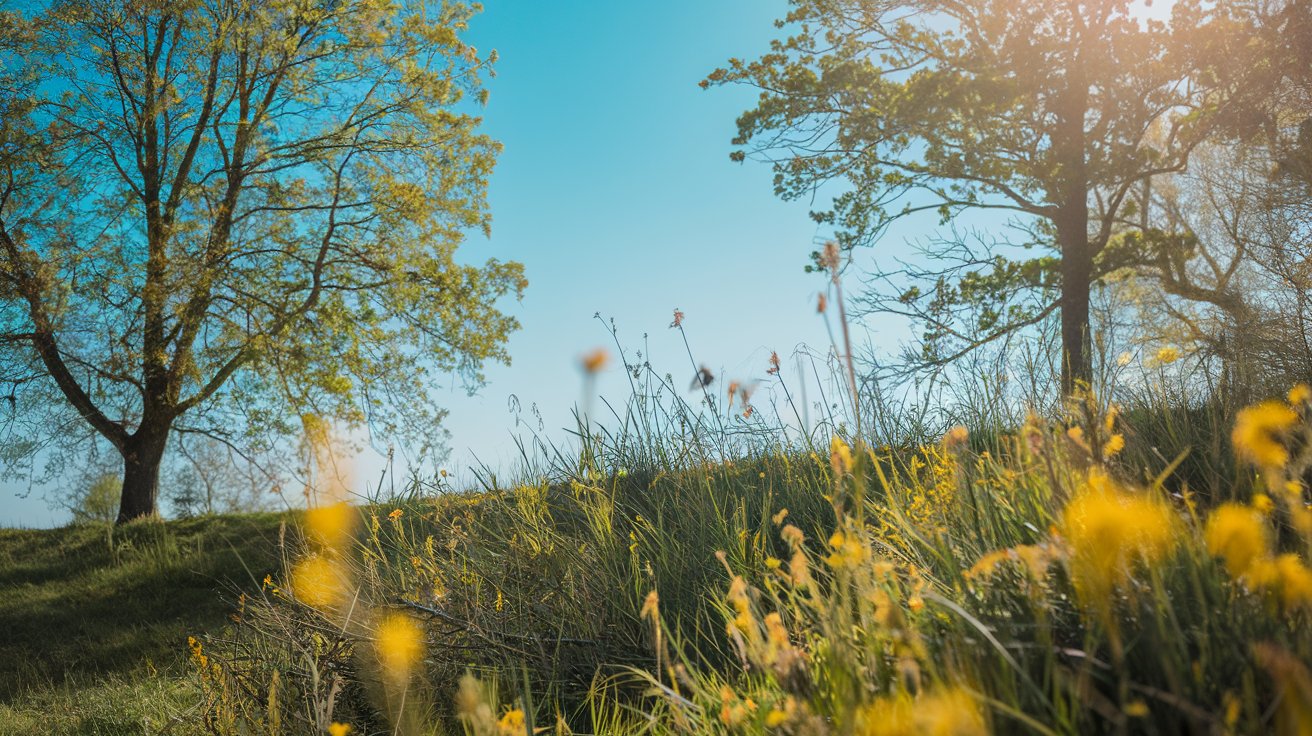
(616, 191)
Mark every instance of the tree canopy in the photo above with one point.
(224, 216)
(1053, 113)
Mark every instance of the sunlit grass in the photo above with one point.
(1028, 580)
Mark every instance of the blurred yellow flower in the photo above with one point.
(840, 456)
(331, 524)
(595, 360)
(849, 550)
(651, 607)
(1238, 535)
(1167, 355)
(395, 515)
(734, 711)
(956, 437)
(1115, 444)
(1076, 434)
(1258, 431)
(339, 729)
(950, 712)
(1300, 394)
(319, 582)
(398, 642)
(512, 723)
(1295, 581)
(1263, 503)
(742, 620)
(1109, 530)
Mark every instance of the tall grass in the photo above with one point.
(1109, 569)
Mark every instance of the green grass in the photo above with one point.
(1002, 582)
(95, 625)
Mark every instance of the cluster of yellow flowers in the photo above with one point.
(734, 711)
(849, 550)
(1239, 536)
(322, 579)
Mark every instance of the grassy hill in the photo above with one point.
(1045, 579)
(95, 623)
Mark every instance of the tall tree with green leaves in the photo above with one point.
(225, 217)
(1055, 111)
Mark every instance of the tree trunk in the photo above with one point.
(142, 457)
(1072, 222)
(1076, 278)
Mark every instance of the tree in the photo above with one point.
(1226, 244)
(1055, 112)
(221, 216)
(1225, 269)
(98, 501)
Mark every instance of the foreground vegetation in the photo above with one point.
(1038, 579)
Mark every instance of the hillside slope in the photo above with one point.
(93, 625)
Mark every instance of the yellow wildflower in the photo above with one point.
(775, 718)
(197, 652)
(1258, 431)
(951, 712)
(398, 642)
(319, 582)
(395, 515)
(849, 550)
(1238, 535)
(512, 723)
(1115, 444)
(1262, 503)
(339, 729)
(329, 525)
(1109, 530)
(840, 456)
(956, 437)
(1300, 394)
(1136, 709)
(742, 620)
(651, 607)
(595, 360)
(1167, 355)
(1295, 581)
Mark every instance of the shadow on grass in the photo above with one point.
(77, 604)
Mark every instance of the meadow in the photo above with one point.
(1095, 572)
